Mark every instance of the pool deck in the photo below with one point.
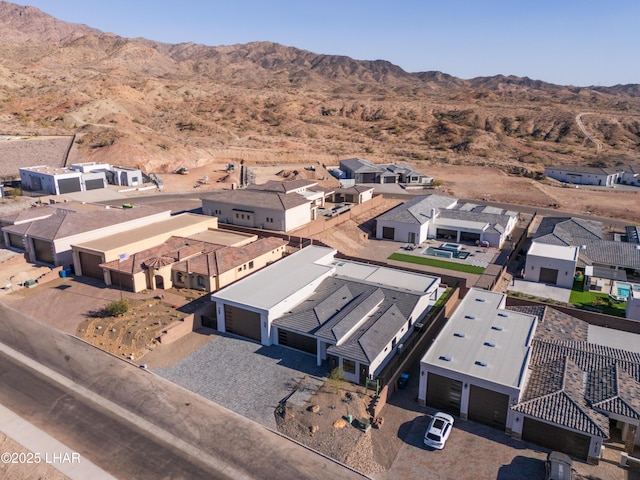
(478, 256)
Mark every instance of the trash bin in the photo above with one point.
(402, 381)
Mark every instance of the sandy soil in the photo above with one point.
(494, 185)
(322, 424)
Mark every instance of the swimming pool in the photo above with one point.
(624, 289)
(444, 253)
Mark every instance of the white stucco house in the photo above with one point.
(537, 373)
(354, 316)
(578, 175)
(281, 206)
(442, 217)
(552, 264)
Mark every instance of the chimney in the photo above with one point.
(433, 213)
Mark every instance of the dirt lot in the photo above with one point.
(323, 425)
(494, 185)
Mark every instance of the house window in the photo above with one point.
(180, 277)
(237, 216)
(348, 366)
(243, 216)
(251, 264)
(239, 269)
(393, 343)
(200, 281)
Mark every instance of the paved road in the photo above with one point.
(132, 423)
(122, 449)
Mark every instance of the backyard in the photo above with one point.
(434, 262)
(596, 301)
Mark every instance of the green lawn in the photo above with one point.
(433, 262)
(595, 300)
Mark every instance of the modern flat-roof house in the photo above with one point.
(58, 181)
(354, 316)
(602, 260)
(476, 367)
(281, 206)
(539, 374)
(363, 171)
(552, 264)
(46, 233)
(605, 177)
(80, 177)
(441, 217)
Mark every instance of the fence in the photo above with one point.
(321, 224)
(415, 347)
(592, 318)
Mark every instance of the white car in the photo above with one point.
(438, 431)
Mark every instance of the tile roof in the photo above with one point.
(65, 223)
(418, 210)
(588, 234)
(359, 317)
(574, 383)
(282, 187)
(257, 199)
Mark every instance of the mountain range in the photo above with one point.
(154, 105)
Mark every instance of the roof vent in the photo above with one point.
(496, 327)
(470, 317)
(460, 334)
(503, 314)
(481, 363)
(446, 358)
(480, 299)
(489, 344)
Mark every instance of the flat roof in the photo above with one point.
(121, 240)
(610, 337)
(485, 341)
(558, 252)
(387, 277)
(277, 282)
(223, 237)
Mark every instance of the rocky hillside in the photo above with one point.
(155, 105)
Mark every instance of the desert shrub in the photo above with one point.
(117, 308)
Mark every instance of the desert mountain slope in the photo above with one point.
(155, 105)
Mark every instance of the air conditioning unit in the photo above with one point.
(400, 348)
(418, 326)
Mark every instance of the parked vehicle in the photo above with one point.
(559, 466)
(438, 431)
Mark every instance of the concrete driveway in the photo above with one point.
(246, 377)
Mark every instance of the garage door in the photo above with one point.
(556, 438)
(388, 233)
(121, 279)
(389, 180)
(242, 322)
(90, 265)
(15, 241)
(43, 251)
(297, 341)
(548, 275)
(94, 184)
(368, 178)
(68, 185)
(444, 393)
(488, 407)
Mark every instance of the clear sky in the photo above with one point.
(568, 42)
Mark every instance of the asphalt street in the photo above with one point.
(132, 423)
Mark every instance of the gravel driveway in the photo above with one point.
(246, 377)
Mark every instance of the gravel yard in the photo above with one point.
(244, 376)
